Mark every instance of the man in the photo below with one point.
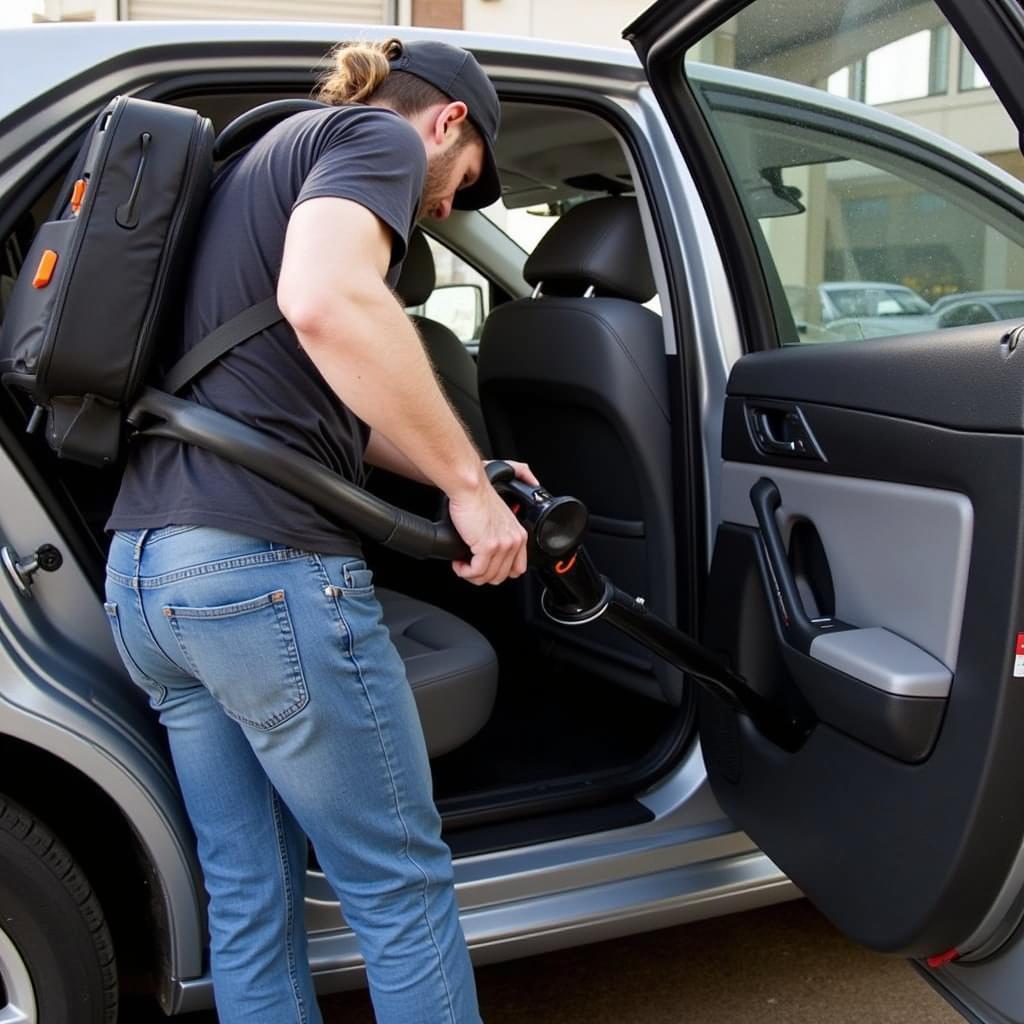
(247, 615)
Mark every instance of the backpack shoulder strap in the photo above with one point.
(219, 342)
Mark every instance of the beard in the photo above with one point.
(435, 187)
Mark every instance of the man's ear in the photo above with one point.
(447, 117)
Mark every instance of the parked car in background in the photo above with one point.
(964, 308)
(871, 587)
(869, 300)
(859, 309)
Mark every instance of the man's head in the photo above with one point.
(446, 96)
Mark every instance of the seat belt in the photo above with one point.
(239, 328)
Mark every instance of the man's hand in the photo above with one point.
(522, 471)
(492, 533)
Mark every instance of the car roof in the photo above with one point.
(995, 295)
(51, 53)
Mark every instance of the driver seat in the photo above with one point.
(574, 382)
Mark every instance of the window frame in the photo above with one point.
(667, 31)
(878, 132)
(967, 60)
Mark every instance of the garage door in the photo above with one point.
(370, 12)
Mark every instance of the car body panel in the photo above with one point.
(65, 693)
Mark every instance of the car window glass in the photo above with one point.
(966, 313)
(526, 226)
(893, 186)
(1009, 310)
(461, 296)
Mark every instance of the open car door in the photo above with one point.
(867, 567)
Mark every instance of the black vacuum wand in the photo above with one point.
(575, 593)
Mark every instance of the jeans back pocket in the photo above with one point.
(246, 656)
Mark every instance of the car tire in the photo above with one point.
(56, 953)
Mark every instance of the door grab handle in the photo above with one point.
(766, 500)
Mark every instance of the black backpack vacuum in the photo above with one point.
(98, 297)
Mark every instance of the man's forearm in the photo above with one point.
(368, 352)
(383, 454)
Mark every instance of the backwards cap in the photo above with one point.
(458, 75)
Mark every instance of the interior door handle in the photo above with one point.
(768, 441)
(801, 630)
(781, 429)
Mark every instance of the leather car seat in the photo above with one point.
(453, 364)
(452, 669)
(573, 381)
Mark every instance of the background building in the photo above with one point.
(441, 13)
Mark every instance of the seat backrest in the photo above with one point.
(453, 364)
(573, 381)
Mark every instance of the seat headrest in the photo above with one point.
(254, 123)
(418, 278)
(600, 243)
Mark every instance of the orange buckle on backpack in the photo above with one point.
(77, 195)
(44, 272)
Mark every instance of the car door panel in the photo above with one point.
(870, 531)
(919, 528)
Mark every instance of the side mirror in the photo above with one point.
(460, 307)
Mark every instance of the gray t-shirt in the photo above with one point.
(368, 154)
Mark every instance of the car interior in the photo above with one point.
(523, 718)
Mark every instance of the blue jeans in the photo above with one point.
(289, 715)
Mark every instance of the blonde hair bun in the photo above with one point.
(359, 69)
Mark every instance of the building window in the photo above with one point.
(906, 69)
(971, 76)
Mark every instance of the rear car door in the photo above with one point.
(867, 565)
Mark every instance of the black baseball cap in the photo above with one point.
(457, 74)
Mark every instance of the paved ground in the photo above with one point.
(782, 965)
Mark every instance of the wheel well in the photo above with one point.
(106, 847)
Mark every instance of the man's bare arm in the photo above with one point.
(382, 453)
(331, 290)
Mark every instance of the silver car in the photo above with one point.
(840, 522)
(966, 308)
